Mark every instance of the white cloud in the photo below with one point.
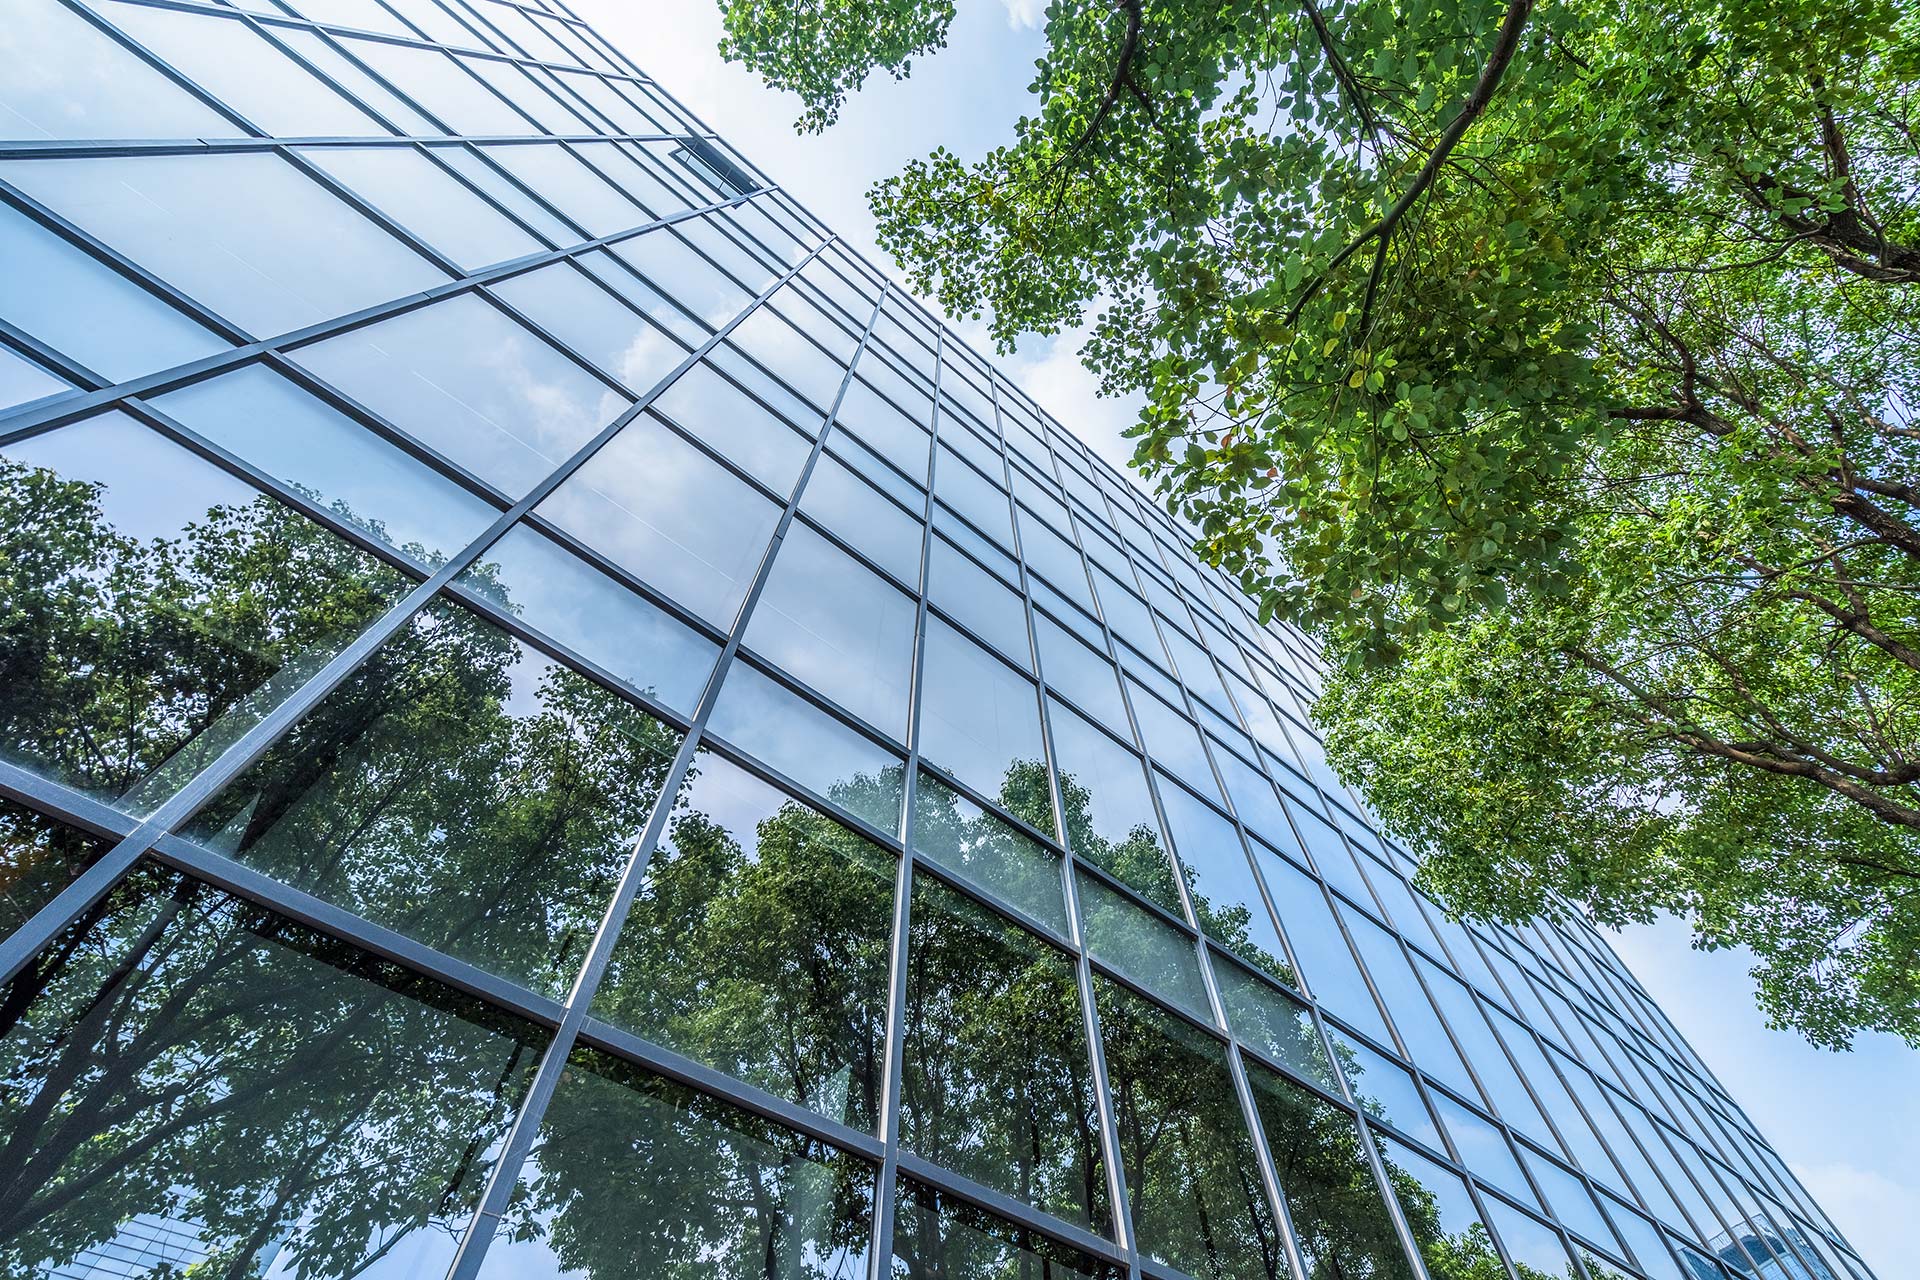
(1875, 1212)
(1025, 14)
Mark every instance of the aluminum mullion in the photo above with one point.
(525, 1129)
(33, 418)
(82, 893)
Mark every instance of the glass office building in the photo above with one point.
(554, 723)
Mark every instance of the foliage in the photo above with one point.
(1554, 363)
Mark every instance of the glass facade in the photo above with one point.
(554, 723)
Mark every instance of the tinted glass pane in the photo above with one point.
(465, 380)
(1533, 1246)
(86, 310)
(440, 85)
(22, 381)
(855, 510)
(1384, 1089)
(971, 495)
(244, 232)
(942, 1239)
(997, 1084)
(774, 724)
(203, 1085)
(593, 322)
(1082, 674)
(1135, 942)
(712, 409)
(1568, 1200)
(266, 420)
(1191, 1176)
(428, 201)
(1440, 1213)
(885, 430)
(38, 857)
(758, 945)
(562, 596)
(461, 789)
(1325, 962)
(979, 720)
(185, 606)
(1172, 741)
(67, 79)
(1273, 1022)
(1109, 818)
(1482, 1148)
(1425, 1038)
(633, 1175)
(978, 601)
(1220, 881)
(1340, 1222)
(838, 627)
(953, 832)
(781, 349)
(669, 515)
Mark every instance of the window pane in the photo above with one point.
(979, 720)
(885, 430)
(184, 608)
(244, 232)
(593, 323)
(462, 378)
(234, 64)
(997, 1084)
(983, 504)
(1426, 1040)
(1220, 881)
(710, 408)
(839, 628)
(1172, 741)
(758, 945)
(633, 1175)
(87, 311)
(1273, 1022)
(440, 85)
(1322, 953)
(783, 351)
(936, 1238)
(855, 510)
(953, 832)
(202, 1078)
(1109, 816)
(1190, 1168)
(1082, 674)
(671, 516)
(264, 419)
(1482, 1148)
(461, 789)
(1340, 1222)
(39, 856)
(22, 381)
(1133, 941)
(1385, 1089)
(68, 79)
(1531, 1244)
(978, 601)
(1440, 1214)
(428, 201)
(772, 723)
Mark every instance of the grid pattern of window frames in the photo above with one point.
(553, 723)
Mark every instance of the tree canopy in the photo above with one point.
(1553, 362)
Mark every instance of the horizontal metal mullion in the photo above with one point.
(57, 800)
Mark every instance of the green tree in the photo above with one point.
(1555, 363)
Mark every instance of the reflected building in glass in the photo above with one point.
(553, 723)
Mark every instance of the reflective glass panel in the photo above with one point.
(22, 381)
(1440, 1213)
(462, 378)
(1191, 1173)
(1082, 674)
(997, 1084)
(978, 601)
(671, 516)
(428, 201)
(1535, 1248)
(1109, 817)
(1273, 1022)
(1384, 1089)
(1220, 882)
(1325, 962)
(936, 1238)
(39, 856)
(461, 789)
(1339, 1220)
(213, 1089)
(760, 715)
(1482, 1148)
(1426, 1040)
(954, 833)
(560, 595)
(441, 86)
(593, 322)
(885, 430)
(634, 1175)
(1140, 945)
(264, 419)
(246, 233)
(739, 428)
(979, 720)
(838, 627)
(854, 509)
(1172, 741)
(186, 607)
(758, 945)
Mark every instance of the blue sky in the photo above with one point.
(1847, 1123)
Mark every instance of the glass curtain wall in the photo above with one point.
(555, 723)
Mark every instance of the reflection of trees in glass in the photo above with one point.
(761, 947)
(939, 1238)
(1198, 1203)
(461, 790)
(958, 835)
(998, 1083)
(38, 856)
(1138, 861)
(182, 1054)
(115, 653)
(1453, 1241)
(634, 1176)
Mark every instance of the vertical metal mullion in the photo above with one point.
(1125, 1235)
(526, 1124)
(886, 1188)
(94, 883)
